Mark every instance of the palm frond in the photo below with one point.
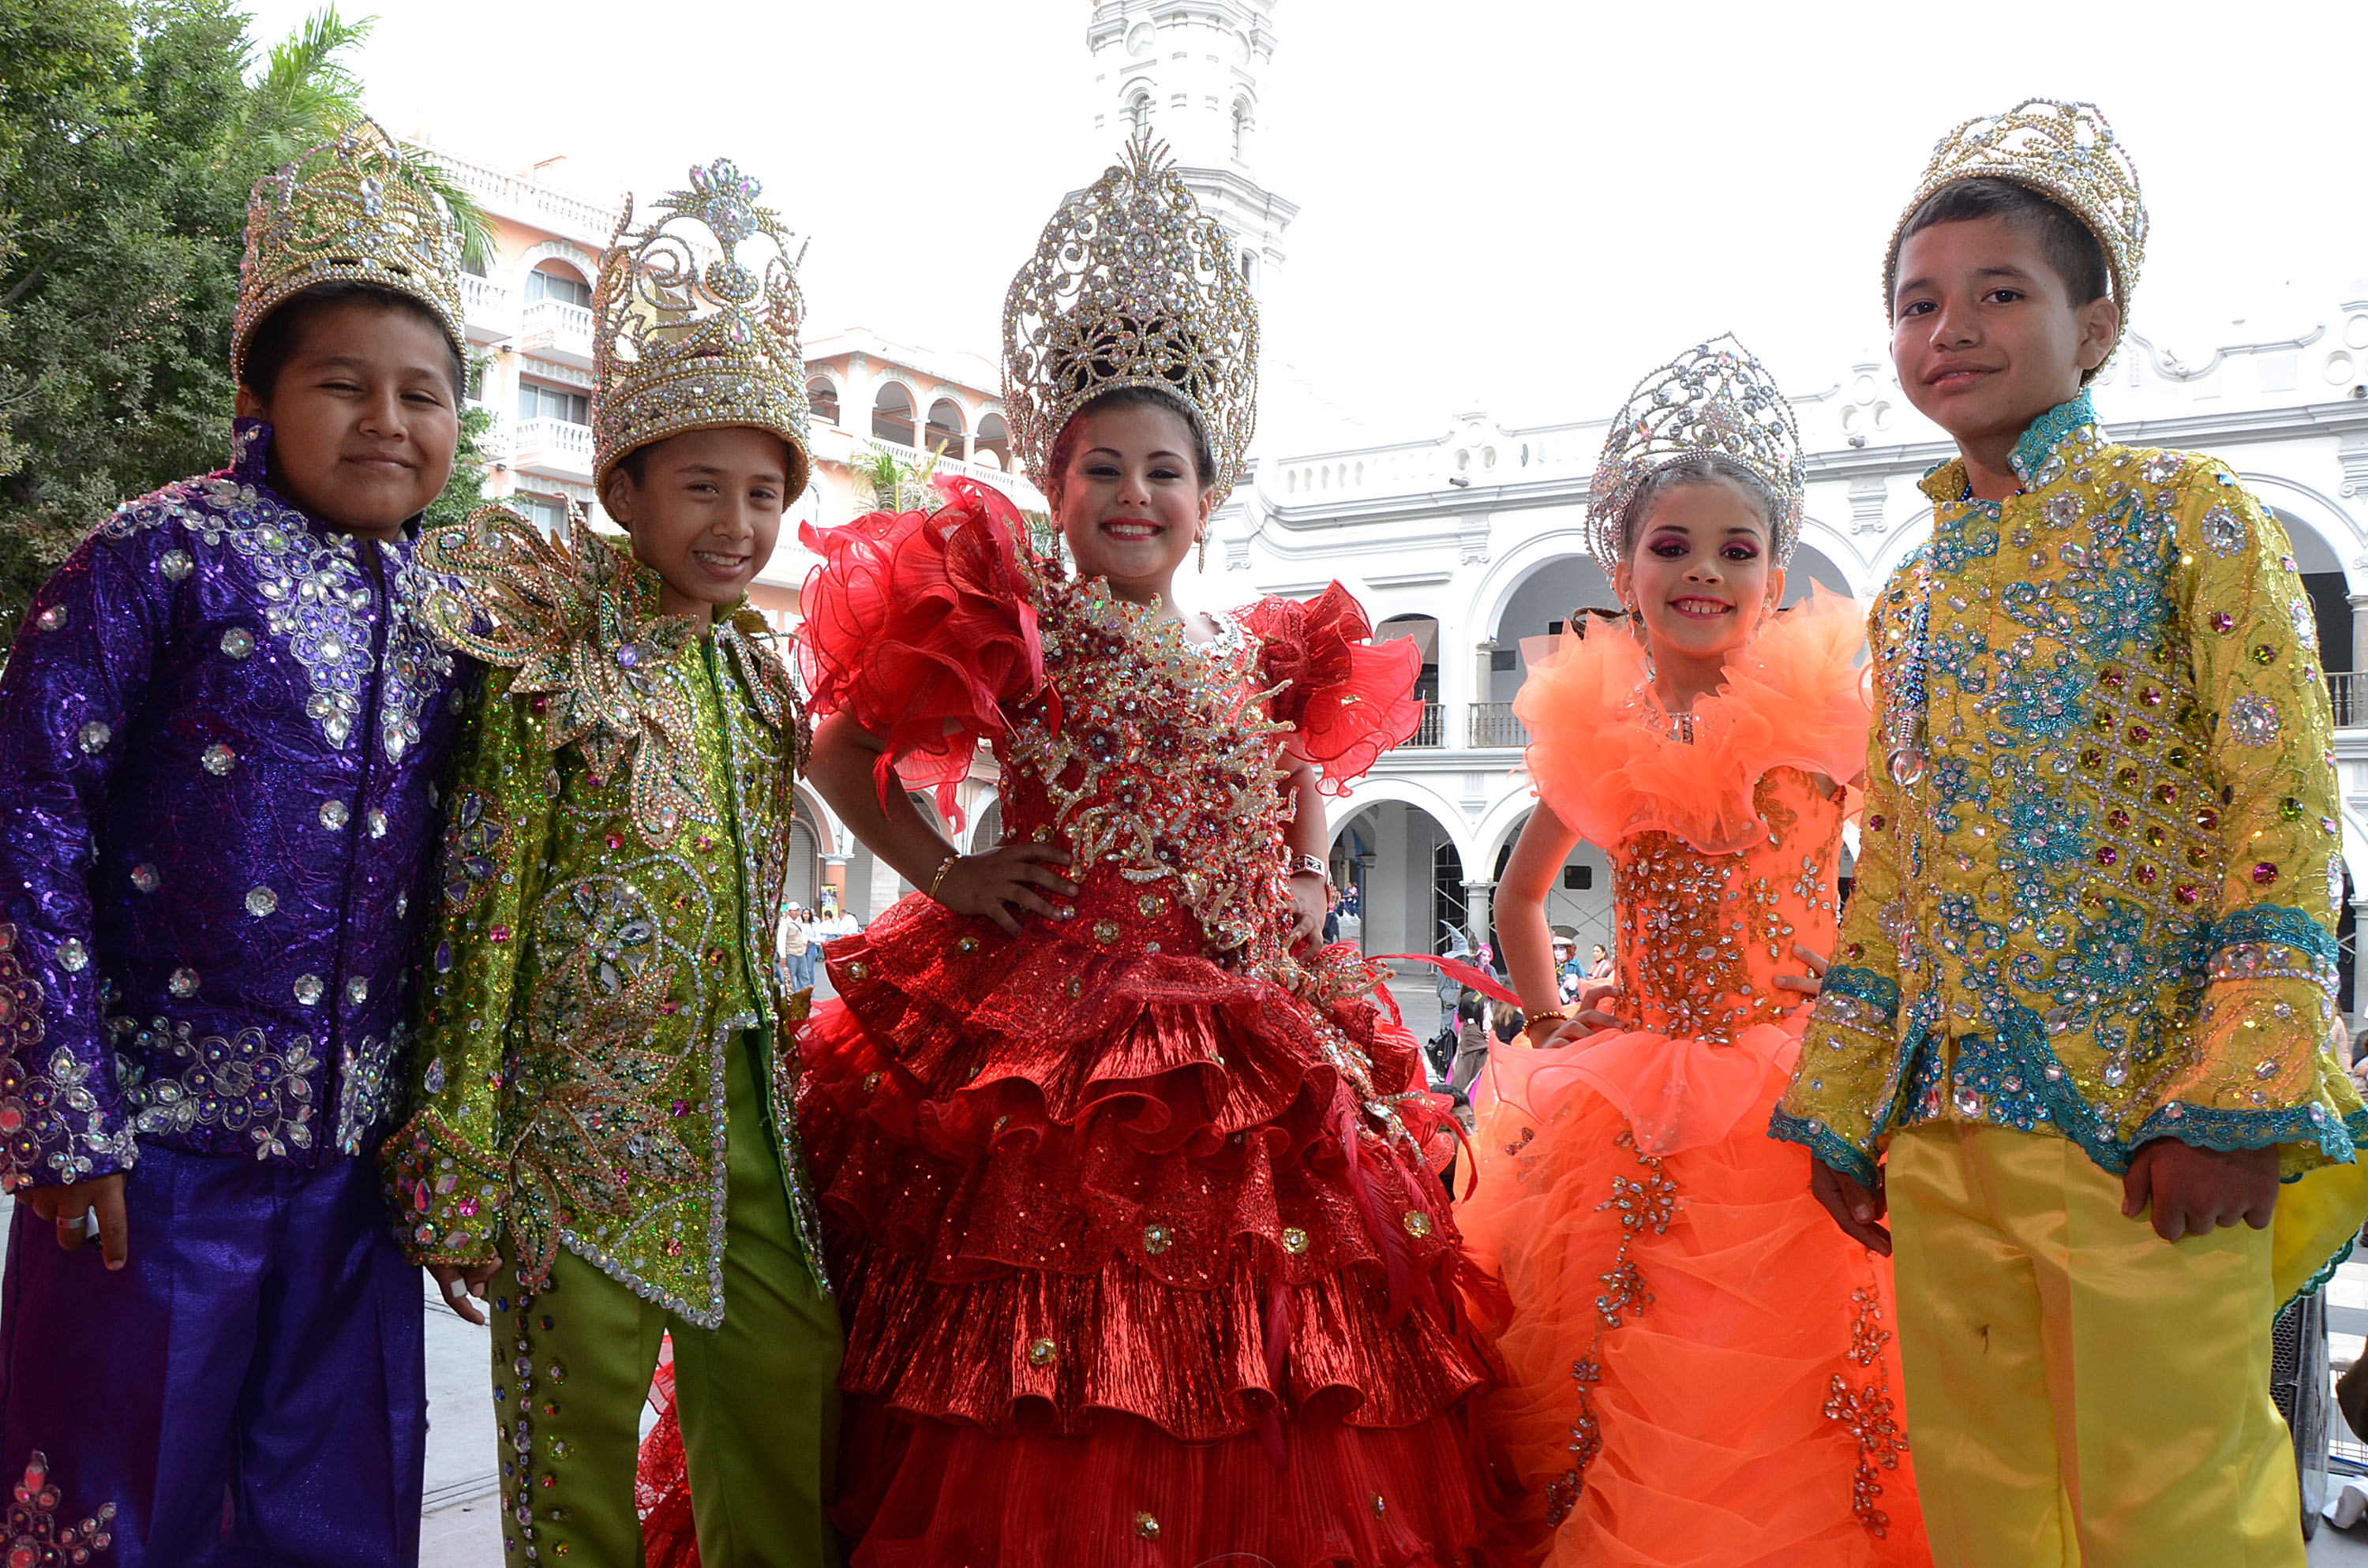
(476, 232)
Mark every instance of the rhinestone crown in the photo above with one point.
(1131, 285)
(695, 323)
(2067, 152)
(1713, 398)
(352, 209)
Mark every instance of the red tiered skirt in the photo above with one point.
(1127, 1275)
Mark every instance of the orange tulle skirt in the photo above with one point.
(1699, 1366)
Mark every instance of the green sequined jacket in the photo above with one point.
(615, 842)
(2104, 907)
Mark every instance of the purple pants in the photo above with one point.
(248, 1390)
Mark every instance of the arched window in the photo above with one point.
(1138, 112)
(822, 396)
(892, 415)
(994, 442)
(1241, 130)
(557, 280)
(945, 428)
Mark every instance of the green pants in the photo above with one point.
(759, 1397)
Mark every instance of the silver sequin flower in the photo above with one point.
(2305, 623)
(261, 901)
(182, 982)
(2254, 720)
(93, 737)
(175, 564)
(334, 814)
(218, 759)
(308, 989)
(238, 642)
(358, 989)
(144, 877)
(2224, 531)
(73, 957)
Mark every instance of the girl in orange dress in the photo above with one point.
(1699, 1367)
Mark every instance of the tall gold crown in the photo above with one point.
(680, 344)
(2067, 152)
(1713, 400)
(352, 210)
(1131, 286)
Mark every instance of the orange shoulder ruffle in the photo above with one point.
(1795, 698)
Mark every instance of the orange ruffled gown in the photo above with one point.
(1700, 1368)
(1140, 1257)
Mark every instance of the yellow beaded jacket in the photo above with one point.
(2096, 883)
(614, 848)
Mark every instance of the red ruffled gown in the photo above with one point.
(1700, 1368)
(1142, 1256)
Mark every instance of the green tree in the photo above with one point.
(131, 131)
(893, 485)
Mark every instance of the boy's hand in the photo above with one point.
(64, 1207)
(2195, 1191)
(1854, 1208)
(458, 1284)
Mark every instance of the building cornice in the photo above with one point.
(2187, 432)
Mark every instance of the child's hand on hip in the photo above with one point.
(2195, 1191)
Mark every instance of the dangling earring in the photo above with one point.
(1203, 566)
(1643, 640)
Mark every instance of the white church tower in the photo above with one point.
(1188, 69)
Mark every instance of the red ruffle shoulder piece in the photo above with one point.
(1349, 698)
(920, 624)
(1795, 698)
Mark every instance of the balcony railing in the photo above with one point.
(553, 442)
(2345, 691)
(484, 301)
(1492, 724)
(1432, 730)
(558, 328)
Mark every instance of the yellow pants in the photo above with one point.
(2080, 1391)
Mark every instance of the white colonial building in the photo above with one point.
(1468, 539)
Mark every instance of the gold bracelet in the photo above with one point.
(1535, 1019)
(943, 867)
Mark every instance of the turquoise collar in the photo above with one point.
(2047, 432)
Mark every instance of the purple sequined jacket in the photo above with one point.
(221, 730)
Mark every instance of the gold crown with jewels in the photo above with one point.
(2067, 154)
(1131, 285)
(352, 210)
(684, 344)
(1713, 400)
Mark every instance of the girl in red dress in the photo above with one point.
(1129, 1181)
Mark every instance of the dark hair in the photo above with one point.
(276, 336)
(637, 462)
(2069, 245)
(1204, 460)
(1468, 1009)
(1695, 468)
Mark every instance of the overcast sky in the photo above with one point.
(1504, 204)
